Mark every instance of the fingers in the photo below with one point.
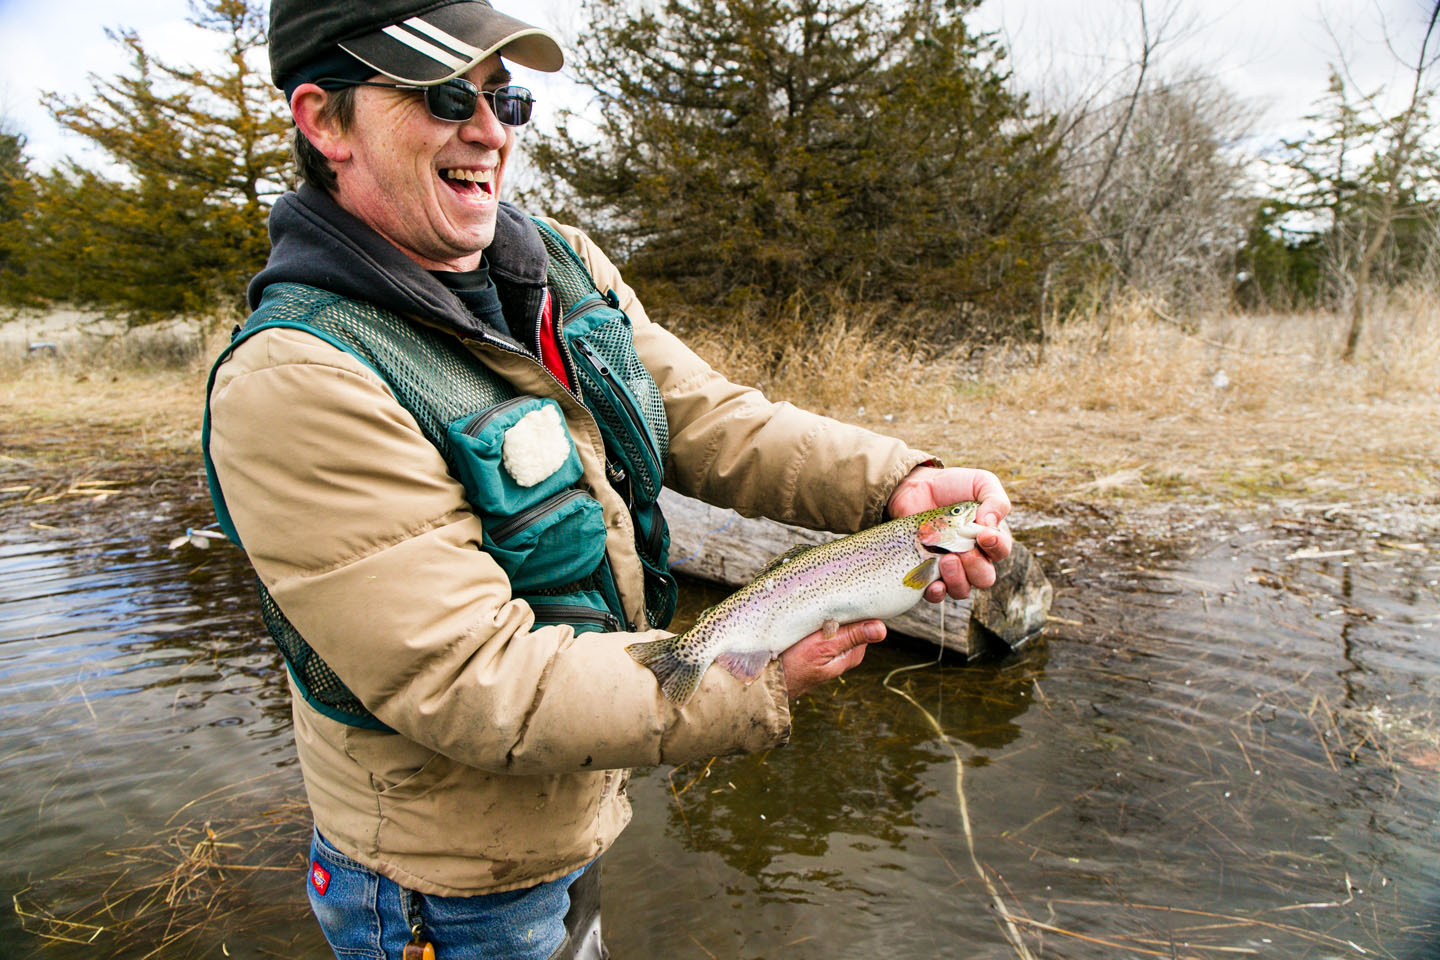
(818, 658)
(960, 573)
(927, 487)
(994, 502)
(954, 578)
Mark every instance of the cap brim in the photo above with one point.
(450, 40)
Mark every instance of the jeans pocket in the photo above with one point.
(344, 898)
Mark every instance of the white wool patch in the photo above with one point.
(536, 446)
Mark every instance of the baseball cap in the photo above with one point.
(414, 42)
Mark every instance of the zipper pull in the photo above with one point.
(418, 948)
(594, 357)
(614, 472)
(612, 298)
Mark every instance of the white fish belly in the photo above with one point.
(807, 616)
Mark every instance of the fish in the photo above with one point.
(877, 573)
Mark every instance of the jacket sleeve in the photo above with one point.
(732, 447)
(368, 546)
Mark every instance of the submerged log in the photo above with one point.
(719, 545)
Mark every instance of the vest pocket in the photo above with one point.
(512, 456)
(558, 541)
(583, 609)
(620, 392)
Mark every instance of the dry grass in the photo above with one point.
(177, 893)
(1128, 404)
(102, 402)
(1134, 403)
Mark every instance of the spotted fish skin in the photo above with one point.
(877, 573)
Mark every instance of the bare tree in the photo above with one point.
(1401, 159)
(1149, 151)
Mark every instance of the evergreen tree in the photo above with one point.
(782, 149)
(182, 228)
(15, 199)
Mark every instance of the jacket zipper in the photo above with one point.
(520, 521)
(479, 421)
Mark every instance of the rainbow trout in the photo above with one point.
(876, 573)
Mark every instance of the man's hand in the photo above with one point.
(820, 657)
(925, 488)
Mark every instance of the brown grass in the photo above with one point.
(1133, 403)
(1128, 404)
(125, 401)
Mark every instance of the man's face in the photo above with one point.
(429, 186)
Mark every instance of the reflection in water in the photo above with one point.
(1223, 746)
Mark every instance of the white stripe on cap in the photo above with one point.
(450, 40)
(422, 46)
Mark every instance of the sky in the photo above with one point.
(1275, 54)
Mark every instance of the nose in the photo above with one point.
(484, 127)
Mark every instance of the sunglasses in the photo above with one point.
(455, 100)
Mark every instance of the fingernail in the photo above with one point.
(873, 632)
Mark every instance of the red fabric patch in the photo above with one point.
(549, 348)
(320, 877)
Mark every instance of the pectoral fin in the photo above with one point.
(922, 575)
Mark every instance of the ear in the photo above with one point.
(325, 134)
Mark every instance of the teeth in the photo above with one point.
(474, 176)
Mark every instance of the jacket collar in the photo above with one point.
(317, 242)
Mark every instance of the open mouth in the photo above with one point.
(469, 182)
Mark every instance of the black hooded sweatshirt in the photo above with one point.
(316, 242)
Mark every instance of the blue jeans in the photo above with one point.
(365, 915)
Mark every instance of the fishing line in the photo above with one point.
(700, 546)
(1004, 918)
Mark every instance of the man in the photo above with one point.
(439, 439)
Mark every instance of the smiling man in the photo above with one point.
(439, 438)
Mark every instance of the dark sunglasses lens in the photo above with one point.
(512, 105)
(453, 101)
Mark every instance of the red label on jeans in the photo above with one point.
(320, 877)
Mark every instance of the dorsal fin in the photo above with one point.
(784, 558)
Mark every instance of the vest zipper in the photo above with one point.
(573, 613)
(478, 422)
(520, 521)
(622, 394)
(515, 348)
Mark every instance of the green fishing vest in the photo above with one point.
(548, 534)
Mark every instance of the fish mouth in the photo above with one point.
(935, 549)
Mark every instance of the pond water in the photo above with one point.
(1226, 744)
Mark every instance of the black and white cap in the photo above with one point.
(414, 42)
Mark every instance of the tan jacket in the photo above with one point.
(508, 762)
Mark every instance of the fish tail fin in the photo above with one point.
(678, 676)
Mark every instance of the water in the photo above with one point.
(1216, 751)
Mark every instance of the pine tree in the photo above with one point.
(199, 152)
(768, 150)
(15, 198)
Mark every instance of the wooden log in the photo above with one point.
(721, 546)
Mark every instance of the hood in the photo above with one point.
(316, 242)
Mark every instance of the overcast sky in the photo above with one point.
(1275, 53)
